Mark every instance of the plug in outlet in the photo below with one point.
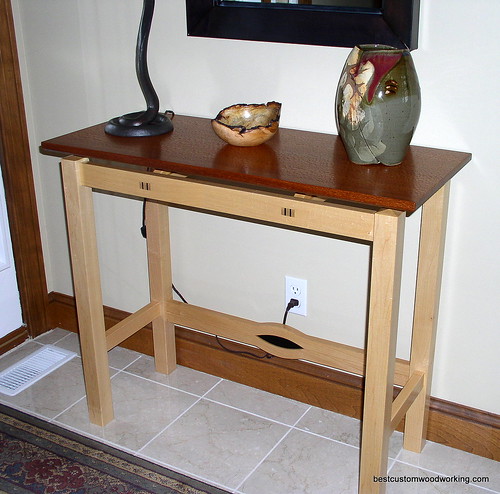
(296, 288)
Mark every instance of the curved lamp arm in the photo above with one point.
(148, 122)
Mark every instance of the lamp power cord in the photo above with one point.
(291, 304)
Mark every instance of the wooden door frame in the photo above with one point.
(18, 181)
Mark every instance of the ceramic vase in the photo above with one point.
(377, 104)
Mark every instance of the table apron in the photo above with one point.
(286, 210)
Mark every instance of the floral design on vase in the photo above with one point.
(377, 104)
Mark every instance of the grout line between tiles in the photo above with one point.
(28, 411)
(67, 408)
(61, 338)
(325, 437)
(99, 439)
(433, 472)
(123, 369)
(250, 413)
(484, 488)
(182, 471)
(178, 417)
(16, 348)
(163, 384)
(396, 458)
(83, 397)
(292, 427)
(391, 463)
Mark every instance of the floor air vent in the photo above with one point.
(30, 369)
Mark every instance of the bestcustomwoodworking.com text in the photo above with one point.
(435, 479)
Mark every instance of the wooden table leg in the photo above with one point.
(160, 284)
(387, 254)
(430, 266)
(88, 295)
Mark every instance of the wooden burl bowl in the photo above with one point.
(247, 125)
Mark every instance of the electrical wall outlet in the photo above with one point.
(296, 288)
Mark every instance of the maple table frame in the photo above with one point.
(301, 180)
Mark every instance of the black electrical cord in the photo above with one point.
(293, 303)
(144, 234)
(250, 354)
(179, 293)
(239, 352)
(143, 226)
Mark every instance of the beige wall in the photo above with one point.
(77, 63)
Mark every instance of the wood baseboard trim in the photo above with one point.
(13, 339)
(451, 424)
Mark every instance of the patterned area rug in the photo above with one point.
(38, 457)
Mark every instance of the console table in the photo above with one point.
(298, 179)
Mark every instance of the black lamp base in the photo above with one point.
(124, 126)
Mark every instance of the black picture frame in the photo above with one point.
(395, 23)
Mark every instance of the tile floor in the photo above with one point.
(238, 438)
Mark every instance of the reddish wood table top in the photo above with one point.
(293, 160)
